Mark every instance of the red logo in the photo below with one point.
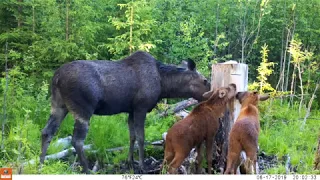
(5, 173)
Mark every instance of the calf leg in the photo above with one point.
(251, 161)
(232, 164)
(199, 159)
(233, 157)
(132, 139)
(251, 152)
(139, 119)
(176, 162)
(56, 117)
(168, 156)
(79, 134)
(209, 143)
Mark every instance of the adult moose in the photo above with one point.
(132, 85)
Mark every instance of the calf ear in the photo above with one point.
(233, 86)
(208, 94)
(191, 65)
(240, 95)
(264, 97)
(232, 92)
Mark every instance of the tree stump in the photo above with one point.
(222, 75)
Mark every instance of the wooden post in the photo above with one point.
(222, 75)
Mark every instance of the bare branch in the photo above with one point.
(178, 107)
(310, 104)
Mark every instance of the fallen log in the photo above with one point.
(155, 144)
(95, 167)
(288, 164)
(67, 152)
(175, 108)
(181, 114)
(60, 154)
(63, 142)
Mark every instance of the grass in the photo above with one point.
(281, 134)
(27, 114)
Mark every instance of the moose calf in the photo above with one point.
(244, 133)
(201, 124)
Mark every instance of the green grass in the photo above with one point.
(281, 134)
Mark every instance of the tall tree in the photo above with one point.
(134, 29)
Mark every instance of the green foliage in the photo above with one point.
(135, 28)
(264, 70)
(44, 34)
(298, 55)
(53, 167)
(156, 126)
(113, 129)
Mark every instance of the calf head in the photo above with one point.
(253, 98)
(223, 94)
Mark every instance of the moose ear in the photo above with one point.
(264, 97)
(208, 94)
(191, 65)
(184, 64)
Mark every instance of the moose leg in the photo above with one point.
(132, 139)
(54, 121)
(139, 119)
(79, 134)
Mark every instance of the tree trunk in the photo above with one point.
(292, 37)
(222, 75)
(301, 87)
(284, 62)
(216, 31)
(131, 29)
(284, 46)
(20, 13)
(292, 84)
(310, 104)
(67, 20)
(33, 17)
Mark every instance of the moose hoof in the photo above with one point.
(129, 164)
(142, 170)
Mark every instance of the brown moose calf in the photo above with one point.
(201, 124)
(244, 133)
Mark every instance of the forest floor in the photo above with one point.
(152, 165)
(281, 136)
